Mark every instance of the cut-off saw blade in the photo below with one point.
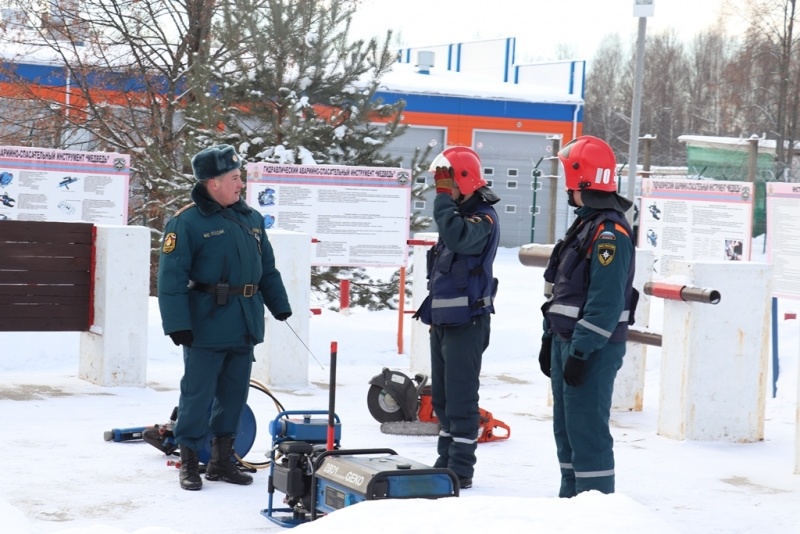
(410, 428)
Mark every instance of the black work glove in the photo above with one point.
(283, 316)
(443, 178)
(573, 371)
(182, 337)
(545, 355)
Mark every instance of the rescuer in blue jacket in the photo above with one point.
(216, 272)
(460, 302)
(586, 319)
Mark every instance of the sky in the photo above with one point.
(60, 476)
(540, 27)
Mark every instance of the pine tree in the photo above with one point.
(296, 90)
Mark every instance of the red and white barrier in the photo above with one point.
(714, 359)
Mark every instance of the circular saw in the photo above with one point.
(394, 400)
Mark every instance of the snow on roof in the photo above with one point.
(404, 78)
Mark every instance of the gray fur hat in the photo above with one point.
(215, 161)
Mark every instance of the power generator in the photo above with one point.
(317, 477)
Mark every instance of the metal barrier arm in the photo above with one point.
(684, 293)
(535, 255)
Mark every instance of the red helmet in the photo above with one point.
(466, 168)
(589, 163)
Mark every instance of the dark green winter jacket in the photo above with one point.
(206, 243)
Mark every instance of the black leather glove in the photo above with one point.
(182, 337)
(573, 371)
(283, 316)
(443, 178)
(545, 355)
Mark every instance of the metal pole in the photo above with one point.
(635, 108)
(684, 293)
(752, 173)
(646, 153)
(536, 174)
(752, 159)
(551, 236)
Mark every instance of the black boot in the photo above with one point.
(190, 473)
(222, 466)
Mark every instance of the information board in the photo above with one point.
(696, 220)
(783, 229)
(39, 184)
(357, 216)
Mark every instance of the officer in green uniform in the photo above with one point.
(587, 316)
(216, 273)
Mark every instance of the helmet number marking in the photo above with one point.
(604, 176)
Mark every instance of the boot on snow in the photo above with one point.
(190, 470)
(222, 465)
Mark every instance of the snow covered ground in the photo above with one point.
(59, 475)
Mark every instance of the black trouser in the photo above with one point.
(456, 355)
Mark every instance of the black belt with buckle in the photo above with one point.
(247, 290)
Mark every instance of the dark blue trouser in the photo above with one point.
(219, 378)
(456, 355)
(580, 419)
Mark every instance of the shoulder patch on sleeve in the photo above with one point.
(170, 240)
(606, 234)
(606, 253)
(480, 218)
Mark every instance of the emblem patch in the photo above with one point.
(169, 242)
(605, 253)
(474, 219)
(607, 234)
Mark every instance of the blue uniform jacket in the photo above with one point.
(207, 243)
(592, 272)
(460, 276)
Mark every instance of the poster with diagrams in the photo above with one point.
(783, 247)
(704, 220)
(356, 216)
(39, 184)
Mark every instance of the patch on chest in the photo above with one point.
(213, 233)
(605, 253)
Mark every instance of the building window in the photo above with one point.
(511, 184)
(536, 186)
(488, 171)
(512, 173)
(533, 211)
(419, 204)
(489, 183)
(510, 208)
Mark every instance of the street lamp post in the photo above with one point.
(641, 9)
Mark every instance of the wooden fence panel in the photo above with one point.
(45, 276)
